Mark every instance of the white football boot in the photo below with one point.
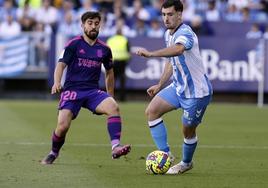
(180, 168)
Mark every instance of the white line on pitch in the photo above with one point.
(138, 145)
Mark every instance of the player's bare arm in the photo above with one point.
(153, 90)
(109, 81)
(56, 88)
(171, 51)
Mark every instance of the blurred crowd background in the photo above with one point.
(138, 17)
(34, 32)
(41, 18)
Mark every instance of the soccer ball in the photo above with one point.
(157, 162)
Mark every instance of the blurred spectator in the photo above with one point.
(106, 4)
(9, 27)
(109, 17)
(105, 29)
(26, 11)
(124, 29)
(47, 14)
(8, 8)
(137, 12)
(254, 32)
(257, 11)
(116, 14)
(200, 7)
(32, 3)
(69, 27)
(240, 4)
(199, 27)
(120, 47)
(57, 3)
(155, 30)
(87, 5)
(188, 10)
(212, 14)
(139, 16)
(41, 39)
(140, 27)
(26, 17)
(233, 14)
(154, 10)
(118, 11)
(27, 24)
(222, 7)
(67, 7)
(252, 10)
(245, 14)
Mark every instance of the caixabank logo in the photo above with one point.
(249, 70)
(225, 70)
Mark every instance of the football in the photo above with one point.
(158, 162)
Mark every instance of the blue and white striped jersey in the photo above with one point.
(189, 76)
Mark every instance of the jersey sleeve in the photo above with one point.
(67, 55)
(108, 60)
(186, 38)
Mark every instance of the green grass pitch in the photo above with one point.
(232, 150)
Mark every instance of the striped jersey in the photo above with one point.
(189, 76)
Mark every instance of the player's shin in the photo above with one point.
(159, 134)
(114, 129)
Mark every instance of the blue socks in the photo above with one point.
(159, 134)
(188, 149)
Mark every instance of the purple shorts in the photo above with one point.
(74, 100)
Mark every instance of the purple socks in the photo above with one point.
(114, 129)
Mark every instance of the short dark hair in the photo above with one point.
(176, 3)
(90, 15)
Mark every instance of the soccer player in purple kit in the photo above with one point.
(83, 57)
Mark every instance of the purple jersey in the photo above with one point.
(84, 63)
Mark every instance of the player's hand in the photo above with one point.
(153, 90)
(56, 88)
(143, 52)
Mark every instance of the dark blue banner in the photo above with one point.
(232, 64)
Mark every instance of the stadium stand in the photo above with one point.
(47, 24)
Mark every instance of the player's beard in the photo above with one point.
(93, 34)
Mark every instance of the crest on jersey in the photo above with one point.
(99, 53)
(82, 51)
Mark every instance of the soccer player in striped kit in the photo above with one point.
(190, 90)
(83, 57)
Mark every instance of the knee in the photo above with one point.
(151, 112)
(62, 127)
(190, 135)
(189, 132)
(113, 109)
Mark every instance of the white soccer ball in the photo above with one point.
(158, 162)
